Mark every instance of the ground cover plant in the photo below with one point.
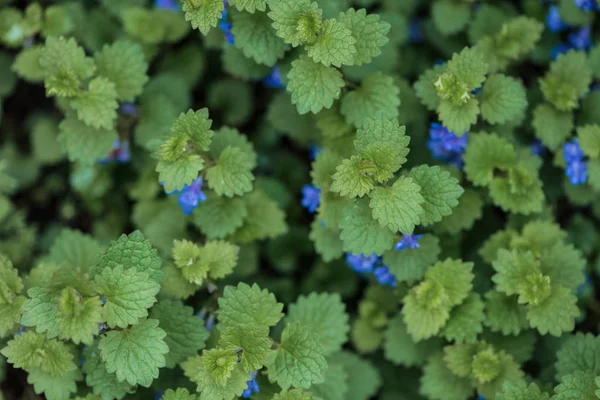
(298, 199)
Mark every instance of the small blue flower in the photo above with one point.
(475, 92)
(273, 80)
(409, 242)
(21, 330)
(558, 50)
(553, 20)
(572, 151)
(157, 395)
(225, 26)
(201, 314)
(119, 154)
(445, 146)
(167, 4)
(311, 198)
(210, 322)
(361, 263)
(414, 31)
(587, 5)
(537, 148)
(481, 397)
(314, 151)
(128, 109)
(384, 276)
(584, 285)
(577, 172)
(252, 386)
(81, 361)
(581, 39)
(190, 196)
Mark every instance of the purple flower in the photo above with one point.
(384, 276)
(581, 39)
(314, 151)
(190, 196)
(273, 80)
(577, 172)
(361, 263)
(252, 386)
(445, 146)
(167, 5)
(587, 5)
(572, 151)
(311, 198)
(537, 148)
(119, 153)
(553, 20)
(409, 242)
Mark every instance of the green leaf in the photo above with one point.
(377, 96)
(564, 264)
(520, 391)
(249, 5)
(294, 394)
(175, 175)
(425, 89)
(10, 300)
(335, 386)
(217, 375)
(513, 268)
(504, 99)
(54, 387)
(97, 107)
(84, 143)
(256, 38)
(296, 21)
(62, 57)
(369, 32)
(326, 316)
(440, 191)
(27, 64)
(466, 320)
(556, 314)
(450, 17)
(401, 349)
(78, 317)
(195, 127)
(102, 382)
(520, 193)
(335, 45)
(135, 354)
(458, 118)
(123, 64)
(41, 311)
(486, 152)
(567, 80)
(129, 293)
(265, 219)
(504, 314)
(219, 216)
(75, 249)
(226, 137)
(203, 15)
(254, 342)
(313, 86)
(589, 139)
(363, 377)
(469, 67)
(581, 386)
(350, 180)
(410, 265)
(299, 360)
(260, 307)
(186, 333)
(425, 310)
(31, 351)
(326, 240)
(221, 258)
(579, 352)
(464, 215)
(179, 394)
(551, 126)
(130, 251)
(231, 176)
(398, 207)
(363, 234)
(439, 383)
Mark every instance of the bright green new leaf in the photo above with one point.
(97, 107)
(203, 14)
(466, 320)
(580, 385)
(78, 317)
(231, 176)
(249, 5)
(567, 80)
(102, 382)
(313, 86)
(128, 292)
(377, 96)
(54, 387)
(504, 99)
(135, 354)
(296, 21)
(351, 179)
(335, 45)
(485, 153)
(504, 314)
(41, 311)
(520, 391)
(253, 341)
(64, 57)
(458, 117)
(256, 38)
(299, 360)
(556, 314)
